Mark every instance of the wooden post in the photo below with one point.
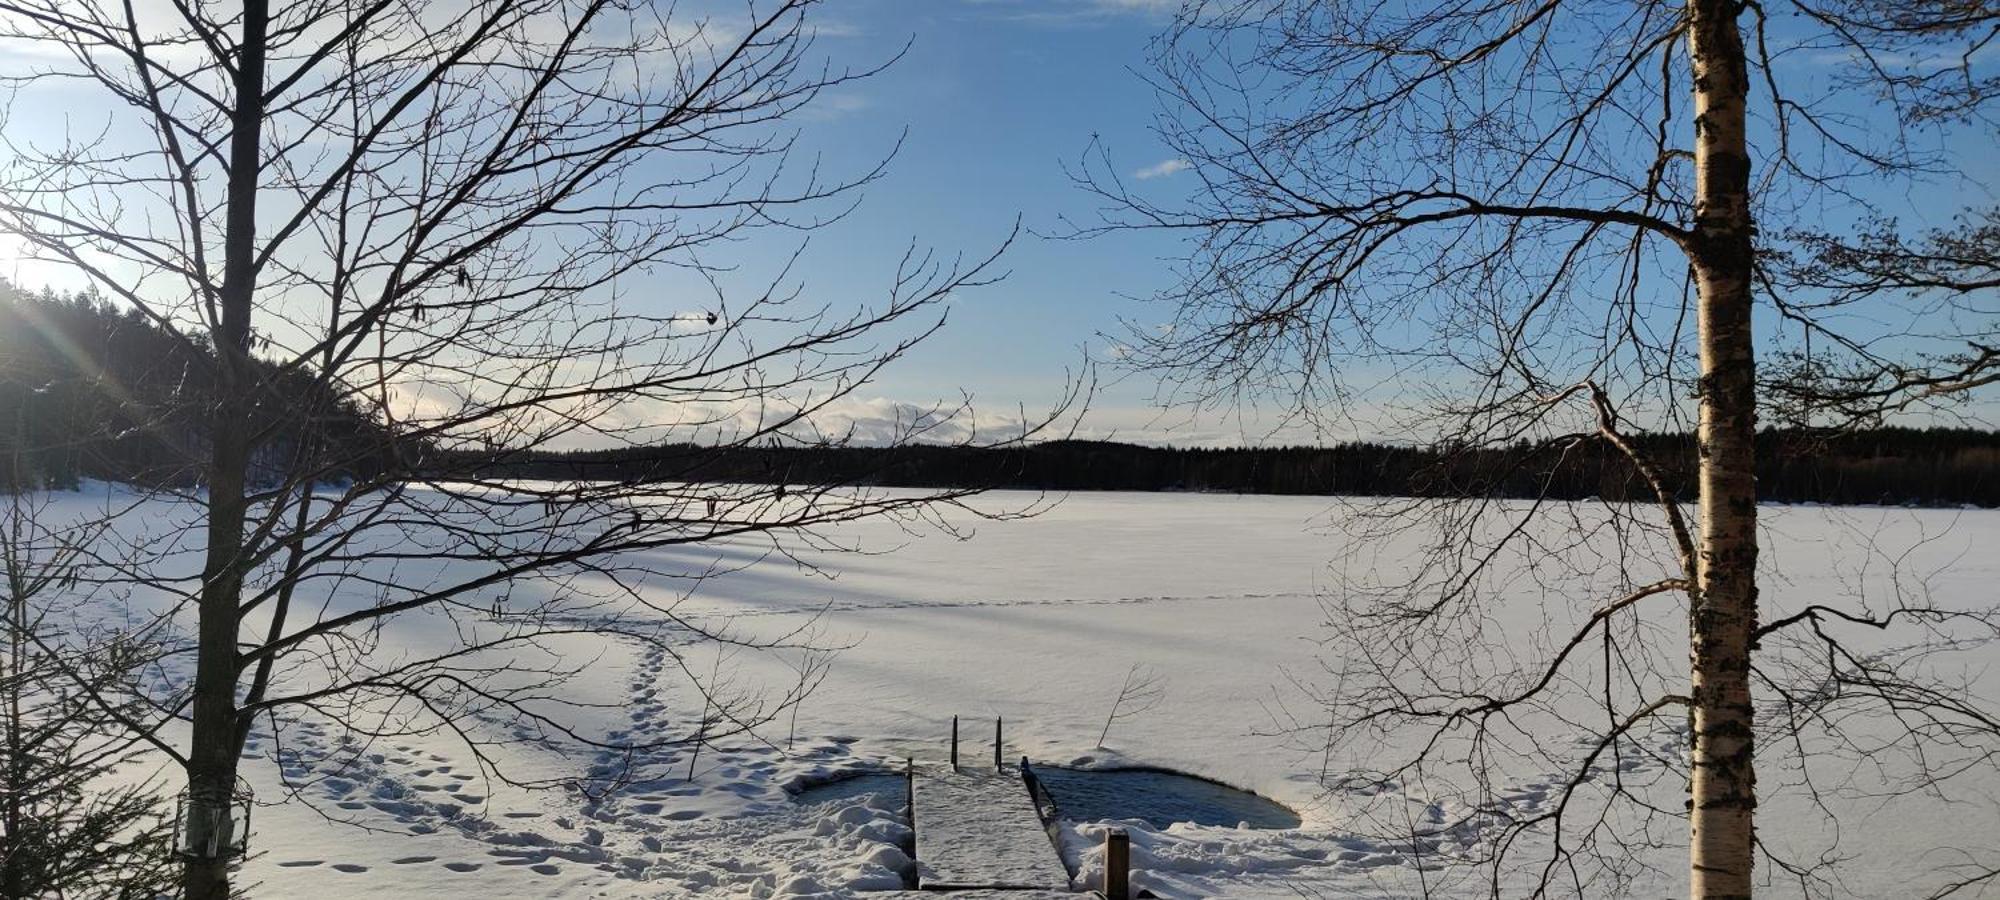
(1117, 865)
(954, 742)
(997, 767)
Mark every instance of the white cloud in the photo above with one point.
(1163, 169)
(863, 421)
(1181, 426)
(880, 420)
(1062, 13)
(834, 29)
(835, 105)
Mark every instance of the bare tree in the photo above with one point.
(1550, 223)
(1945, 273)
(409, 242)
(1140, 693)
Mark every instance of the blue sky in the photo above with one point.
(996, 97)
(991, 100)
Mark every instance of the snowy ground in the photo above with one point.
(1037, 621)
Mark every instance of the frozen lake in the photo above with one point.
(1038, 621)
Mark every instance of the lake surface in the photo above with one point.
(894, 789)
(1158, 798)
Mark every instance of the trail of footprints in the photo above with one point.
(422, 791)
(633, 792)
(630, 797)
(425, 793)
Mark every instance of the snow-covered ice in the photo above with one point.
(1038, 621)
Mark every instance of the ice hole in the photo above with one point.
(894, 790)
(1158, 797)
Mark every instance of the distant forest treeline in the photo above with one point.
(1890, 465)
(88, 390)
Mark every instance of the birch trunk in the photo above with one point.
(215, 740)
(1724, 612)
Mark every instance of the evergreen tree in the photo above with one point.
(69, 827)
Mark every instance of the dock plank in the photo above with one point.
(978, 829)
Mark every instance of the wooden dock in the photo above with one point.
(978, 829)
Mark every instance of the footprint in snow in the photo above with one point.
(300, 863)
(462, 866)
(545, 869)
(412, 860)
(349, 867)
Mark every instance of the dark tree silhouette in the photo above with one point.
(67, 694)
(438, 215)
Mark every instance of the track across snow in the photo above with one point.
(978, 829)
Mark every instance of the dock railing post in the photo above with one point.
(954, 742)
(997, 767)
(1117, 865)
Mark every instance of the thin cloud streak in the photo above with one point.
(1163, 169)
(1075, 12)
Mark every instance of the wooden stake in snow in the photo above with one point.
(1117, 865)
(997, 767)
(954, 742)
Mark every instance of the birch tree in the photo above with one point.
(1562, 222)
